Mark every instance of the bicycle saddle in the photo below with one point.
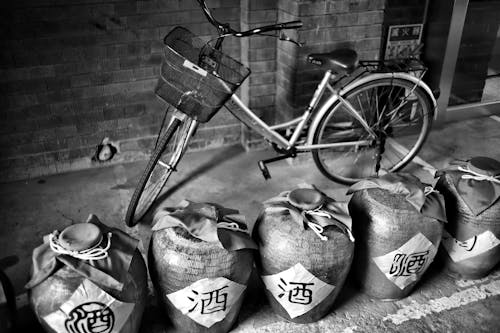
(341, 61)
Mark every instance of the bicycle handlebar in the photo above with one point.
(208, 14)
(225, 29)
(266, 28)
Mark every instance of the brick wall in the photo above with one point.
(75, 71)
(328, 25)
(259, 54)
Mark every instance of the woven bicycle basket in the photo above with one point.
(196, 78)
(199, 272)
(398, 229)
(471, 245)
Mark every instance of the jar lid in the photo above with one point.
(305, 198)
(80, 236)
(484, 165)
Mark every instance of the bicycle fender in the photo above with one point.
(326, 106)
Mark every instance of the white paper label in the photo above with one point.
(297, 290)
(474, 246)
(194, 68)
(406, 264)
(207, 301)
(90, 310)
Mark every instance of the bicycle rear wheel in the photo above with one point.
(399, 114)
(169, 149)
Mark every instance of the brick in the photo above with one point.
(224, 13)
(262, 54)
(262, 78)
(368, 44)
(263, 66)
(153, 6)
(113, 112)
(288, 47)
(365, 5)
(35, 111)
(290, 7)
(375, 17)
(203, 29)
(262, 42)
(322, 21)
(262, 90)
(26, 59)
(57, 121)
(287, 59)
(262, 16)
(16, 74)
(122, 76)
(261, 4)
(323, 7)
(76, 153)
(262, 101)
(41, 72)
(61, 108)
(348, 19)
(134, 110)
(359, 32)
(57, 83)
(172, 5)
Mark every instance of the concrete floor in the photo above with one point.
(230, 176)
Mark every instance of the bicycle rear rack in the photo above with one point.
(406, 65)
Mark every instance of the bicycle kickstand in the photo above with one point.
(263, 167)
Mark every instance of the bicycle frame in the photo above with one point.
(245, 115)
(270, 133)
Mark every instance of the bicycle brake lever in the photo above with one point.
(288, 39)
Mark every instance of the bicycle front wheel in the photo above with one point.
(162, 163)
(399, 115)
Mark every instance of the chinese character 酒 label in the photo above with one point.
(207, 301)
(406, 264)
(474, 246)
(90, 310)
(297, 290)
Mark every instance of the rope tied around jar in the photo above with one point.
(94, 253)
(312, 209)
(428, 190)
(473, 175)
(318, 230)
(233, 226)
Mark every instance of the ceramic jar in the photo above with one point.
(305, 253)
(398, 224)
(88, 278)
(471, 245)
(200, 261)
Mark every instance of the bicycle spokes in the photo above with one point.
(392, 110)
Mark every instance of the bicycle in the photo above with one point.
(375, 120)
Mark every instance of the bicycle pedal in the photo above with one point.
(265, 171)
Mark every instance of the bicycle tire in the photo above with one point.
(155, 175)
(347, 165)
